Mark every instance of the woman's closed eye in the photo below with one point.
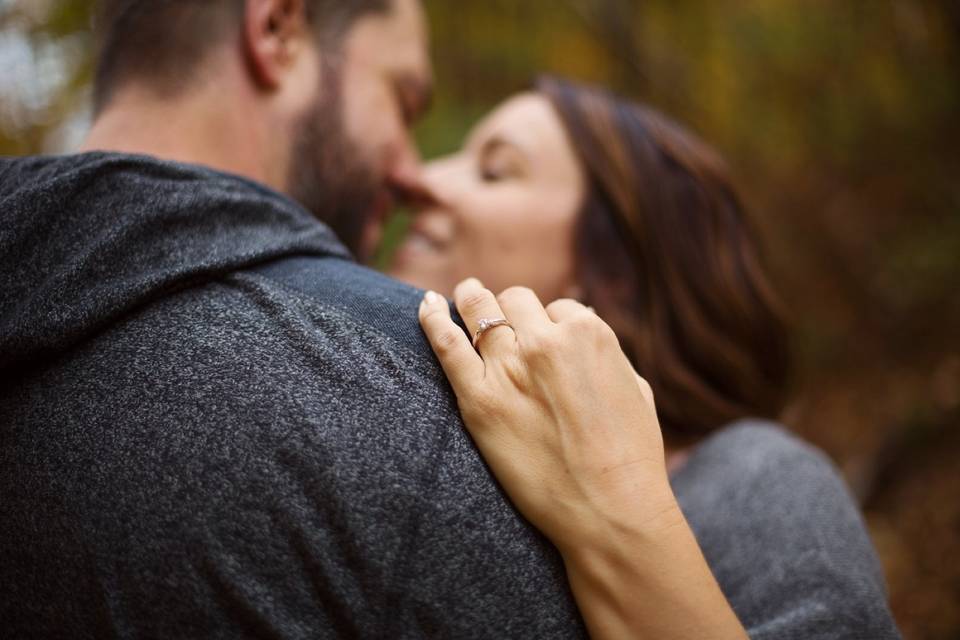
(500, 161)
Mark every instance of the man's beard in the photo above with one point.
(328, 175)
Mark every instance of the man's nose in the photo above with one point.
(406, 177)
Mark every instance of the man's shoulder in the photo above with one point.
(367, 297)
(289, 427)
(317, 327)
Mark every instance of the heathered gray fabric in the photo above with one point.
(212, 424)
(783, 536)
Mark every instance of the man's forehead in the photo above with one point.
(395, 45)
(396, 39)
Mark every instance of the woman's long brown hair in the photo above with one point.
(666, 256)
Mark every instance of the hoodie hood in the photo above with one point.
(85, 239)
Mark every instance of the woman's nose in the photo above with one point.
(442, 178)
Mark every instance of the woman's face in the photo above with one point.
(502, 209)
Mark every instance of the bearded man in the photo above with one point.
(213, 422)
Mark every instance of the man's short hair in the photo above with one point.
(163, 41)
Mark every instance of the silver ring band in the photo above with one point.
(486, 324)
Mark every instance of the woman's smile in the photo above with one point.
(429, 236)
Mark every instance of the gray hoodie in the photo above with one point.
(213, 424)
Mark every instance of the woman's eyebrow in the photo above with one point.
(499, 140)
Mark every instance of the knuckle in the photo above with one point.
(446, 341)
(515, 293)
(591, 325)
(558, 305)
(482, 408)
(583, 319)
(562, 302)
(574, 327)
(588, 331)
(607, 333)
(432, 315)
(475, 301)
(541, 344)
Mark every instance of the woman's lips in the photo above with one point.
(432, 232)
(416, 246)
(415, 241)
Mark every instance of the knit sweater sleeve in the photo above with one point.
(784, 537)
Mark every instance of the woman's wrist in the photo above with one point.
(621, 566)
(643, 574)
(626, 526)
(637, 509)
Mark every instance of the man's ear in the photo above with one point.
(273, 34)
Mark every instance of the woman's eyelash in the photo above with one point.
(488, 173)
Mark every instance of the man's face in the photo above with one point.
(354, 148)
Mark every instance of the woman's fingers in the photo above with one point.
(523, 308)
(475, 304)
(565, 309)
(459, 360)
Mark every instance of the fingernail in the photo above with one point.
(431, 298)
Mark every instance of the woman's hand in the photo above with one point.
(557, 411)
(571, 433)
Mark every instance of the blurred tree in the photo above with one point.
(45, 53)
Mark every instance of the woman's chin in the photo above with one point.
(419, 265)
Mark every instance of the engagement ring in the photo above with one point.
(486, 324)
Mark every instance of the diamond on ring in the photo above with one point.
(485, 324)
